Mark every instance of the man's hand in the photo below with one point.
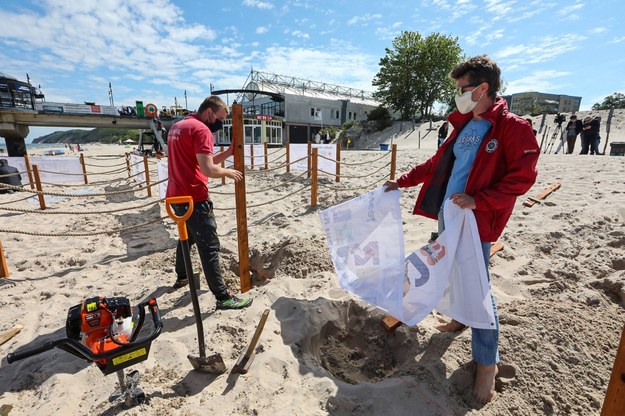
(463, 200)
(391, 186)
(233, 174)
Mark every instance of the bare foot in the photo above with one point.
(484, 385)
(453, 326)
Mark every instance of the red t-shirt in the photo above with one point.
(185, 139)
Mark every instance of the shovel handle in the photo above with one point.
(180, 221)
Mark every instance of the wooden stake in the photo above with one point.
(288, 157)
(239, 191)
(4, 269)
(251, 156)
(614, 402)
(266, 157)
(29, 171)
(146, 170)
(338, 162)
(390, 323)
(128, 163)
(7, 335)
(308, 158)
(313, 188)
(393, 161)
(84, 167)
(530, 202)
(223, 165)
(42, 201)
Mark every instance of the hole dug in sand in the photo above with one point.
(358, 349)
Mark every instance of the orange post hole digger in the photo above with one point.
(214, 363)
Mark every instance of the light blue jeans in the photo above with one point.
(484, 342)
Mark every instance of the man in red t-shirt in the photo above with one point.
(191, 162)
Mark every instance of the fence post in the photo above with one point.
(338, 162)
(239, 191)
(266, 158)
(309, 152)
(419, 140)
(288, 157)
(29, 171)
(147, 175)
(42, 201)
(128, 163)
(4, 269)
(313, 188)
(614, 402)
(84, 167)
(223, 165)
(393, 161)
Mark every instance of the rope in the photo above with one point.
(86, 234)
(352, 176)
(275, 151)
(16, 200)
(13, 174)
(105, 166)
(358, 163)
(111, 171)
(264, 203)
(110, 211)
(279, 167)
(339, 188)
(67, 195)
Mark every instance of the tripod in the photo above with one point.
(556, 133)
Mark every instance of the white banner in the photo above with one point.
(52, 169)
(365, 237)
(162, 173)
(300, 150)
(137, 169)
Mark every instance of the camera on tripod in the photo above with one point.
(559, 119)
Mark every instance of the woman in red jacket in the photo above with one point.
(487, 162)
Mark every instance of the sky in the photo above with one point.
(156, 50)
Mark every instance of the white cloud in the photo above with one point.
(258, 4)
(541, 81)
(364, 19)
(261, 29)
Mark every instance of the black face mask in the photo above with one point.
(216, 126)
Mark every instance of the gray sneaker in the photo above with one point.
(234, 303)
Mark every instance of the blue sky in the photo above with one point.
(155, 50)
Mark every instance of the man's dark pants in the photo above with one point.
(202, 230)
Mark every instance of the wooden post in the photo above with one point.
(147, 175)
(29, 171)
(614, 402)
(419, 141)
(42, 201)
(239, 191)
(393, 161)
(128, 163)
(309, 152)
(223, 165)
(266, 158)
(84, 167)
(252, 156)
(4, 269)
(288, 157)
(338, 162)
(607, 129)
(313, 188)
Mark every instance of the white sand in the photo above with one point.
(559, 284)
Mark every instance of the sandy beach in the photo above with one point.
(559, 283)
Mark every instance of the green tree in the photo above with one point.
(616, 100)
(414, 74)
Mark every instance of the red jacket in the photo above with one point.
(504, 168)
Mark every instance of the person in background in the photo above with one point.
(9, 175)
(594, 146)
(573, 128)
(442, 133)
(486, 163)
(191, 161)
(590, 131)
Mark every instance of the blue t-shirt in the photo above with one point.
(465, 150)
